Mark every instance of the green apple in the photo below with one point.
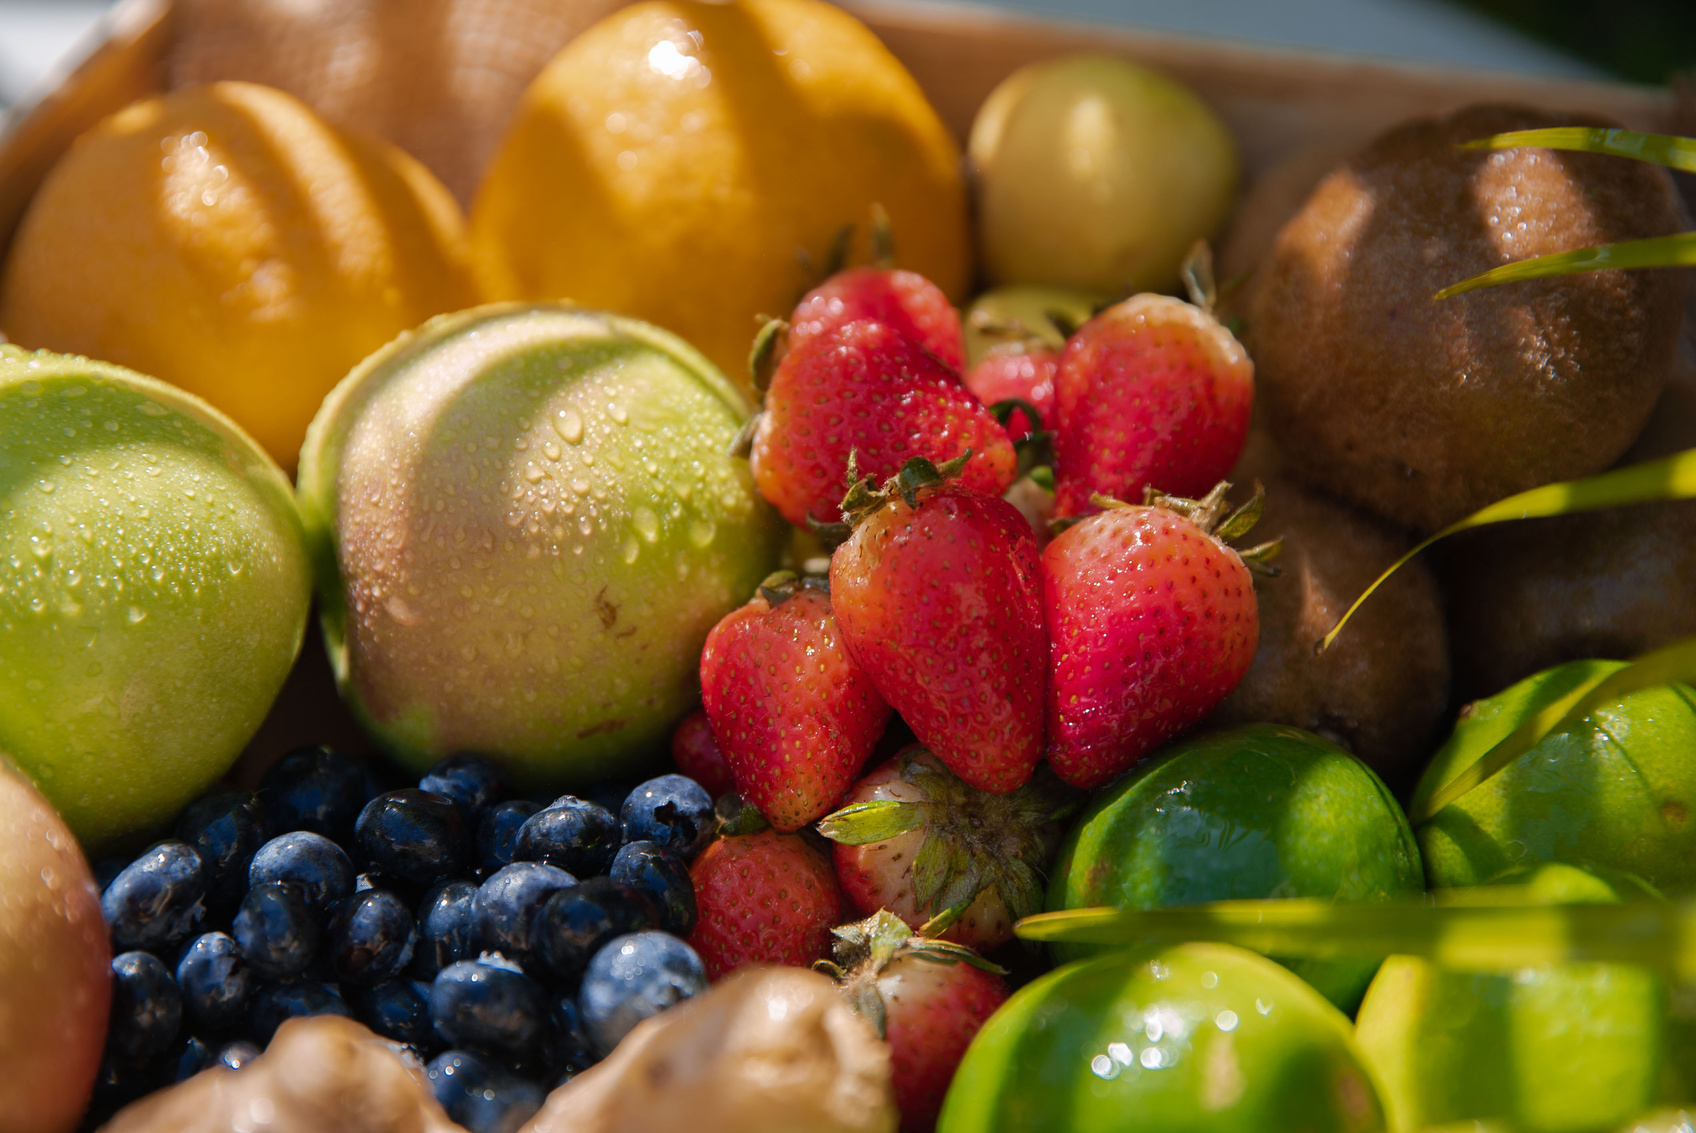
(55, 965)
(154, 590)
(524, 521)
(1191, 1038)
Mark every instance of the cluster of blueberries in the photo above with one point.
(510, 943)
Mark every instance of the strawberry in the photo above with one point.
(763, 898)
(903, 300)
(866, 388)
(950, 860)
(1151, 622)
(794, 715)
(696, 754)
(1151, 392)
(1022, 372)
(937, 594)
(927, 998)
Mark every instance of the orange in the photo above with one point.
(691, 164)
(229, 241)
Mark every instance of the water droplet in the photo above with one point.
(550, 450)
(45, 486)
(569, 425)
(1151, 1058)
(152, 409)
(702, 531)
(618, 413)
(1263, 1007)
(647, 524)
(532, 473)
(630, 550)
(136, 615)
(1226, 1020)
(581, 487)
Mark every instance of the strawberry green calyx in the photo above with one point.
(973, 840)
(865, 500)
(736, 815)
(1205, 514)
(781, 585)
(865, 948)
(770, 345)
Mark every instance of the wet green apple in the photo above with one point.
(55, 965)
(524, 522)
(1616, 789)
(154, 590)
(1191, 1038)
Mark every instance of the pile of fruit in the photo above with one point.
(757, 643)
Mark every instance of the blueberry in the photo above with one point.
(486, 1006)
(146, 1007)
(370, 937)
(276, 931)
(215, 981)
(226, 829)
(664, 877)
(157, 902)
(672, 810)
(318, 867)
(397, 1009)
(237, 1054)
(470, 782)
(572, 834)
(196, 1055)
(480, 1095)
(633, 978)
(317, 789)
(574, 923)
(444, 928)
(575, 1052)
(505, 907)
(497, 833)
(276, 1003)
(417, 836)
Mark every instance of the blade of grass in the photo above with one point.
(1673, 478)
(1662, 251)
(1675, 662)
(1669, 150)
(1465, 937)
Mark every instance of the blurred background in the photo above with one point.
(1641, 40)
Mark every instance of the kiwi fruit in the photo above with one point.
(1423, 410)
(1526, 596)
(1382, 688)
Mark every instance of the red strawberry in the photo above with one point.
(938, 598)
(696, 754)
(868, 389)
(989, 852)
(904, 300)
(793, 713)
(927, 998)
(1151, 622)
(1152, 392)
(1022, 372)
(763, 898)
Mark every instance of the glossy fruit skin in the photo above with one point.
(583, 673)
(55, 965)
(277, 932)
(445, 935)
(418, 837)
(275, 1004)
(486, 1007)
(1151, 621)
(1174, 1035)
(498, 830)
(941, 605)
(398, 1009)
(671, 811)
(697, 754)
(764, 898)
(470, 782)
(633, 978)
(572, 833)
(146, 1006)
(1151, 392)
(215, 981)
(479, 1094)
(654, 870)
(1612, 790)
(158, 900)
(932, 1012)
(318, 867)
(902, 300)
(503, 912)
(575, 922)
(226, 830)
(315, 788)
(1025, 373)
(203, 632)
(369, 938)
(866, 388)
(1260, 810)
(795, 717)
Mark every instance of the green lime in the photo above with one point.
(1549, 1049)
(1614, 789)
(1260, 810)
(1193, 1037)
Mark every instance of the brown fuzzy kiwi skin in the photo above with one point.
(1525, 596)
(1421, 410)
(1382, 689)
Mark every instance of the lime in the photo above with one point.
(1260, 810)
(1614, 789)
(1196, 1037)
